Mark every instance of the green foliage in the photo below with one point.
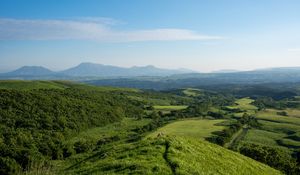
(268, 102)
(221, 138)
(216, 115)
(29, 85)
(9, 166)
(249, 120)
(35, 123)
(82, 146)
(271, 156)
(283, 113)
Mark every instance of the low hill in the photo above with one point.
(169, 155)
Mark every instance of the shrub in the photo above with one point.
(82, 146)
(9, 166)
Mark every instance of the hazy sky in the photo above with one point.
(202, 35)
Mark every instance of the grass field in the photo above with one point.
(170, 107)
(196, 128)
(192, 92)
(169, 155)
(271, 115)
(263, 137)
(276, 130)
(244, 104)
(293, 112)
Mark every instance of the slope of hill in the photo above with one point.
(28, 85)
(169, 155)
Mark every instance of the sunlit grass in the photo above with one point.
(196, 128)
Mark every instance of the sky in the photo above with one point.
(202, 35)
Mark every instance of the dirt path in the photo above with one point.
(237, 137)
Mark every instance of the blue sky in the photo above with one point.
(202, 35)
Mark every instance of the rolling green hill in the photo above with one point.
(169, 155)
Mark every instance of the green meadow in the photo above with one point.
(192, 92)
(170, 107)
(196, 128)
(168, 155)
(275, 131)
(244, 104)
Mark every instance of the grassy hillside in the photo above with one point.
(169, 155)
(27, 85)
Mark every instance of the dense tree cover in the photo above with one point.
(34, 124)
(274, 157)
(216, 115)
(232, 110)
(268, 102)
(264, 91)
(225, 135)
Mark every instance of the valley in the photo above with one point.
(143, 131)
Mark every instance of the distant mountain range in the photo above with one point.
(90, 70)
(150, 77)
(262, 76)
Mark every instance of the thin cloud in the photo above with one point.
(100, 29)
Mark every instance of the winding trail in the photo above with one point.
(236, 138)
(170, 164)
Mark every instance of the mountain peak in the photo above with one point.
(31, 71)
